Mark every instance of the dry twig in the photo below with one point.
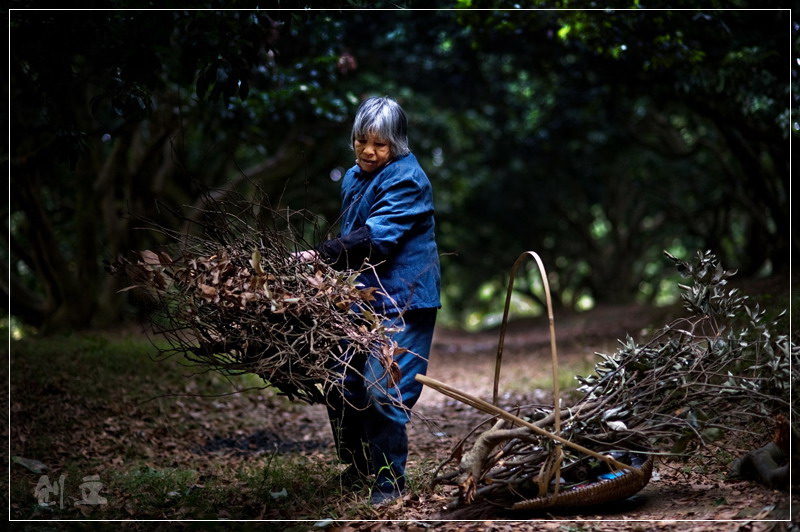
(231, 298)
(721, 370)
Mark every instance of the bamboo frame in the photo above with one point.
(493, 409)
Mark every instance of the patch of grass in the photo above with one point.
(93, 404)
(94, 365)
(286, 485)
(151, 489)
(281, 476)
(84, 403)
(279, 487)
(419, 477)
(88, 365)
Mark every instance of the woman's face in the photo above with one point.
(372, 152)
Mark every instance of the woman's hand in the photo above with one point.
(308, 255)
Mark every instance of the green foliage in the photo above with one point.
(638, 139)
(719, 372)
(595, 137)
(151, 488)
(717, 378)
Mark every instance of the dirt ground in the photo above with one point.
(673, 500)
(237, 428)
(467, 362)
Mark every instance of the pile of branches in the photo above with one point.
(721, 371)
(229, 296)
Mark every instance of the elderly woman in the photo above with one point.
(386, 219)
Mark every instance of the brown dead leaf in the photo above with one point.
(366, 293)
(85, 510)
(468, 488)
(394, 374)
(149, 257)
(208, 291)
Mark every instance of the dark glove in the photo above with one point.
(347, 252)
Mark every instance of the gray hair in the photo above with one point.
(384, 118)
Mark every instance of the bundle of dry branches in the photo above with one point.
(232, 299)
(720, 371)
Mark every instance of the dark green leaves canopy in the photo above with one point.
(597, 138)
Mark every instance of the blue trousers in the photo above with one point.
(368, 418)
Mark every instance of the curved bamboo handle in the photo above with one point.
(554, 354)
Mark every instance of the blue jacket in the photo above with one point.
(388, 217)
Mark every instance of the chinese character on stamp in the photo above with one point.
(90, 491)
(44, 490)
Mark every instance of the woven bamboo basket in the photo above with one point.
(630, 480)
(603, 491)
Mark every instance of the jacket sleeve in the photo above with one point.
(347, 251)
(401, 203)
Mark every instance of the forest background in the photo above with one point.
(597, 137)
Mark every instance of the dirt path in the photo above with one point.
(229, 432)
(467, 362)
(673, 499)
